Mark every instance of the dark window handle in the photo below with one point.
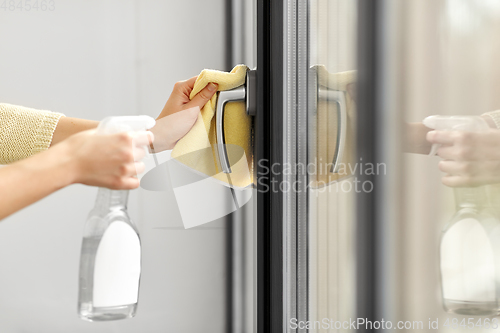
(245, 92)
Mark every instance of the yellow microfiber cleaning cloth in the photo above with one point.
(197, 149)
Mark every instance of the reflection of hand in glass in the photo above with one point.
(416, 136)
(469, 158)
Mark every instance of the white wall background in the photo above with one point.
(92, 59)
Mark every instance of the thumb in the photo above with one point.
(203, 96)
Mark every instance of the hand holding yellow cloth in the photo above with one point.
(197, 149)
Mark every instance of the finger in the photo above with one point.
(455, 181)
(185, 87)
(190, 82)
(139, 153)
(440, 137)
(129, 183)
(139, 168)
(454, 168)
(450, 167)
(203, 96)
(446, 153)
(127, 170)
(142, 138)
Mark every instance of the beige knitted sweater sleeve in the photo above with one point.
(24, 131)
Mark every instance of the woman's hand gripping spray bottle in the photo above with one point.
(470, 242)
(110, 262)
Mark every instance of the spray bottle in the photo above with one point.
(470, 242)
(110, 262)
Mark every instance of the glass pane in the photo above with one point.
(451, 67)
(332, 112)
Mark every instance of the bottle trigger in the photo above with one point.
(434, 149)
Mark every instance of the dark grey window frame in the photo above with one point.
(269, 136)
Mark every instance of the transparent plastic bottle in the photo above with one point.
(110, 261)
(111, 252)
(469, 256)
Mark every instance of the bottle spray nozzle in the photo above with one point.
(454, 123)
(111, 125)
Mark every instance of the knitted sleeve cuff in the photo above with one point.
(24, 131)
(47, 126)
(495, 116)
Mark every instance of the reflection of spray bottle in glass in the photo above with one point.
(470, 242)
(110, 262)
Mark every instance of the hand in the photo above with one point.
(470, 158)
(172, 124)
(110, 161)
(172, 128)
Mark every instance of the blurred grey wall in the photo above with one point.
(92, 59)
(450, 67)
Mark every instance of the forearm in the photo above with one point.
(68, 126)
(33, 178)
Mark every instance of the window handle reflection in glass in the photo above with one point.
(339, 98)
